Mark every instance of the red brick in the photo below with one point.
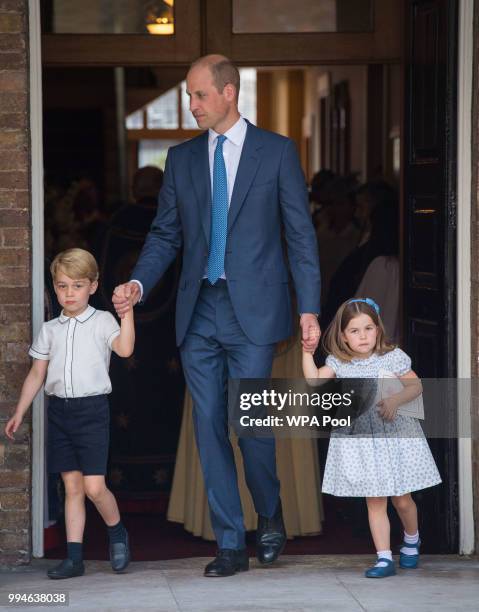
(12, 140)
(6, 410)
(15, 276)
(15, 520)
(15, 295)
(13, 102)
(11, 22)
(12, 61)
(12, 5)
(13, 121)
(14, 540)
(11, 385)
(16, 352)
(15, 331)
(14, 501)
(12, 42)
(15, 314)
(13, 257)
(16, 558)
(13, 81)
(17, 457)
(14, 218)
(13, 237)
(14, 180)
(10, 198)
(13, 160)
(18, 479)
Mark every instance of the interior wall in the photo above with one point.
(357, 79)
(361, 107)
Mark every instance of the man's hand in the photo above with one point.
(311, 332)
(124, 297)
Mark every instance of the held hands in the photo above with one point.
(12, 426)
(125, 297)
(311, 332)
(388, 408)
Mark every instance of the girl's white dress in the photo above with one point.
(381, 458)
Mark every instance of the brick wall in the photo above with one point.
(475, 267)
(15, 293)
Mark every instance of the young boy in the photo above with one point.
(73, 352)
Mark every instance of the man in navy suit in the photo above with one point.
(226, 197)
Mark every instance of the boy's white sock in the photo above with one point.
(383, 554)
(410, 539)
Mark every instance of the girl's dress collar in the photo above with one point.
(364, 362)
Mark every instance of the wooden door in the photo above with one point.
(430, 230)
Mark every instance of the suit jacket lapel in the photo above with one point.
(248, 166)
(200, 176)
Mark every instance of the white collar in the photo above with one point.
(235, 134)
(81, 318)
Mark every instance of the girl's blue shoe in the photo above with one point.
(409, 561)
(381, 572)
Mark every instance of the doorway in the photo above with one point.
(308, 151)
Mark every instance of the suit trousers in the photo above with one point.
(215, 348)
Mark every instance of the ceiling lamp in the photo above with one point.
(159, 17)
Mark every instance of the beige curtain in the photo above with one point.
(297, 464)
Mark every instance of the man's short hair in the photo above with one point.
(222, 70)
(75, 263)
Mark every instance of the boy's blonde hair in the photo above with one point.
(75, 263)
(333, 342)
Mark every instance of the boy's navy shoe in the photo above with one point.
(381, 572)
(66, 569)
(227, 563)
(120, 555)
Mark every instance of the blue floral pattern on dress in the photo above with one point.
(386, 458)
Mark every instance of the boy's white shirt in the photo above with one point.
(79, 350)
(390, 384)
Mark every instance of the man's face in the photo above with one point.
(208, 106)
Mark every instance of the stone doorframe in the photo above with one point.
(465, 57)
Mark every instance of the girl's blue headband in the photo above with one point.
(367, 301)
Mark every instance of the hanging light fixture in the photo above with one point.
(160, 18)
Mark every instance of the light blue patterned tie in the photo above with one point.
(219, 215)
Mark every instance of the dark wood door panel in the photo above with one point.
(429, 172)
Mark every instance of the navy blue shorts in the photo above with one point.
(78, 434)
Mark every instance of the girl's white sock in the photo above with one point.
(410, 539)
(383, 554)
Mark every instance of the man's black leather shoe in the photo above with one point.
(270, 537)
(120, 555)
(66, 569)
(227, 563)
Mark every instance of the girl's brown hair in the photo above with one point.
(333, 342)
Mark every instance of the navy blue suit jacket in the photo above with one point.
(269, 194)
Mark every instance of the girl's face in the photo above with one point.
(360, 335)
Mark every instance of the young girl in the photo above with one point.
(390, 456)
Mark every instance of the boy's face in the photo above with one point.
(73, 294)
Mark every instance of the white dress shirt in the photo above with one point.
(79, 351)
(232, 149)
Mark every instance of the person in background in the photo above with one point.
(339, 232)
